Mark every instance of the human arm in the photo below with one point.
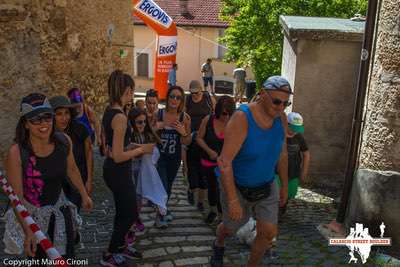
(184, 129)
(200, 139)
(235, 135)
(14, 178)
(93, 120)
(306, 165)
(89, 164)
(118, 152)
(283, 166)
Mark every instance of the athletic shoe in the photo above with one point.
(161, 222)
(200, 206)
(130, 238)
(139, 226)
(131, 253)
(190, 197)
(169, 217)
(210, 217)
(217, 259)
(112, 260)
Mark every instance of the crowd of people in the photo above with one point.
(243, 162)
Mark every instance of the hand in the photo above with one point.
(30, 244)
(235, 210)
(87, 203)
(159, 125)
(89, 187)
(283, 196)
(213, 155)
(148, 148)
(179, 127)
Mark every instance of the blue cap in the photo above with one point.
(276, 83)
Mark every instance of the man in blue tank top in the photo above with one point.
(254, 145)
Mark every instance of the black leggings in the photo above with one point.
(118, 179)
(213, 188)
(195, 173)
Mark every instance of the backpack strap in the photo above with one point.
(62, 139)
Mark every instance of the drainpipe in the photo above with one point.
(352, 160)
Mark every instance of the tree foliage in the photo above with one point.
(255, 36)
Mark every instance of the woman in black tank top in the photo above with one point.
(211, 139)
(117, 168)
(36, 166)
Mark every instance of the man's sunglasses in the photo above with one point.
(278, 102)
(140, 122)
(176, 97)
(46, 117)
(195, 93)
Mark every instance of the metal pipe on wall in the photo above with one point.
(352, 160)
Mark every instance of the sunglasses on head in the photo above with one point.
(140, 122)
(46, 117)
(278, 102)
(176, 97)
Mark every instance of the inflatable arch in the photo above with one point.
(157, 19)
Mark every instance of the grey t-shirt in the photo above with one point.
(207, 70)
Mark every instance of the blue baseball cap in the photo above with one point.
(276, 83)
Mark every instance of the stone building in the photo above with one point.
(49, 46)
(321, 59)
(375, 195)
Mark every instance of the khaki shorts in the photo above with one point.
(265, 210)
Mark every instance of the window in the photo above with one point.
(142, 64)
(221, 48)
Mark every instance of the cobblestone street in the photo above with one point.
(187, 241)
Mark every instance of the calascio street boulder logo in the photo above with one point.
(360, 241)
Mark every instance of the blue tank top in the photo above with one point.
(85, 121)
(255, 163)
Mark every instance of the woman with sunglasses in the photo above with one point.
(142, 133)
(37, 164)
(81, 145)
(117, 168)
(211, 139)
(174, 130)
(198, 105)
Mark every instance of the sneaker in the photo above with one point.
(190, 197)
(131, 253)
(112, 260)
(169, 216)
(217, 259)
(139, 226)
(200, 206)
(130, 238)
(161, 222)
(210, 217)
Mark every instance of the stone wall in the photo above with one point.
(381, 136)
(51, 45)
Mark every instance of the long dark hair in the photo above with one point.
(22, 135)
(117, 84)
(182, 104)
(149, 135)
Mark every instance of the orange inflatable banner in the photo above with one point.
(165, 55)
